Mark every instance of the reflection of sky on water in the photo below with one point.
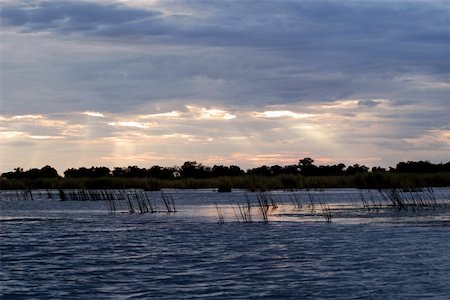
(344, 206)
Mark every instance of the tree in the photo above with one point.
(48, 172)
(307, 168)
(355, 169)
(260, 171)
(192, 169)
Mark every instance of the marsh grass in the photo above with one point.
(219, 214)
(118, 201)
(264, 207)
(311, 205)
(326, 211)
(401, 199)
(369, 180)
(296, 201)
(265, 204)
(260, 206)
(245, 213)
(168, 201)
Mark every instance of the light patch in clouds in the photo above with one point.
(282, 114)
(141, 158)
(171, 114)
(27, 117)
(17, 136)
(256, 159)
(40, 127)
(177, 136)
(436, 138)
(194, 113)
(132, 124)
(45, 137)
(425, 81)
(341, 104)
(245, 140)
(38, 120)
(203, 113)
(94, 114)
(11, 134)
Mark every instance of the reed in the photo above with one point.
(220, 214)
(150, 202)
(326, 211)
(365, 203)
(401, 199)
(264, 208)
(168, 201)
(236, 214)
(130, 204)
(245, 213)
(311, 204)
(296, 201)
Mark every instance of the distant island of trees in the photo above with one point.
(191, 174)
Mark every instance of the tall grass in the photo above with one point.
(400, 199)
(248, 182)
(168, 201)
(118, 200)
(220, 214)
(326, 211)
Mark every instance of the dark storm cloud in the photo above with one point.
(247, 52)
(68, 16)
(294, 25)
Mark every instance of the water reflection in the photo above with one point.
(54, 249)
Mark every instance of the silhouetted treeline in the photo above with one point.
(421, 167)
(19, 173)
(192, 169)
(189, 169)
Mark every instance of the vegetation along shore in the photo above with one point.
(192, 175)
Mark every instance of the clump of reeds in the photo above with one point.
(400, 199)
(245, 213)
(220, 214)
(264, 208)
(326, 211)
(311, 204)
(268, 200)
(150, 202)
(131, 201)
(111, 207)
(28, 194)
(296, 201)
(168, 201)
(265, 202)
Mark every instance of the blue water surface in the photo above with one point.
(77, 250)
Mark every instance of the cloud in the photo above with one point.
(210, 114)
(281, 114)
(246, 54)
(131, 124)
(94, 114)
(332, 78)
(165, 115)
(432, 139)
(71, 16)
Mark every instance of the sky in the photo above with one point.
(118, 83)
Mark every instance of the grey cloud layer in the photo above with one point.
(288, 24)
(243, 56)
(236, 52)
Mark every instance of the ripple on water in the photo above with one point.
(82, 254)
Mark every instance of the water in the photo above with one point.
(53, 249)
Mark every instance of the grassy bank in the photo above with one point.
(249, 182)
